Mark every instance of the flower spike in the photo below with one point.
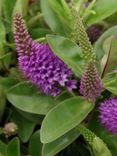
(39, 64)
(90, 85)
(80, 36)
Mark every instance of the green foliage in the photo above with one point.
(48, 126)
(97, 145)
(8, 9)
(52, 19)
(74, 111)
(25, 127)
(7, 82)
(59, 144)
(108, 138)
(27, 98)
(110, 46)
(58, 7)
(2, 148)
(67, 51)
(1, 3)
(13, 148)
(102, 9)
(2, 102)
(110, 82)
(105, 49)
(98, 48)
(35, 146)
(2, 39)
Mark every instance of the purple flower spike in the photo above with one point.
(90, 85)
(38, 63)
(108, 115)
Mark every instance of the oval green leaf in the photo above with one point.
(103, 9)
(68, 51)
(1, 5)
(98, 48)
(35, 118)
(27, 98)
(65, 116)
(35, 146)
(110, 82)
(110, 47)
(2, 38)
(58, 145)
(13, 148)
(8, 9)
(3, 148)
(25, 127)
(2, 102)
(51, 18)
(7, 82)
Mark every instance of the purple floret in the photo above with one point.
(39, 64)
(71, 84)
(108, 115)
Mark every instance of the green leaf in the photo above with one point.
(2, 102)
(35, 118)
(39, 32)
(110, 82)
(6, 60)
(2, 149)
(65, 116)
(8, 6)
(63, 96)
(51, 18)
(58, 145)
(35, 146)
(1, 7)
(25, 127)
(6, 83)
(13, 148)
(68, 51)
(1, 131)
(98, 48)
(77, 148)
(66, 8)
(105, 59)
(83, 149)
(27, 98)
(2, 38)
(99, 45)
(103, 9)
(64, 16)
(15, 74)
(110, 47)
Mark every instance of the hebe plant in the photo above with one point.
(58, 88)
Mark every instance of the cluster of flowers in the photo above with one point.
(39, 64)
(50, 74)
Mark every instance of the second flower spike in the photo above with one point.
(90, 85)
